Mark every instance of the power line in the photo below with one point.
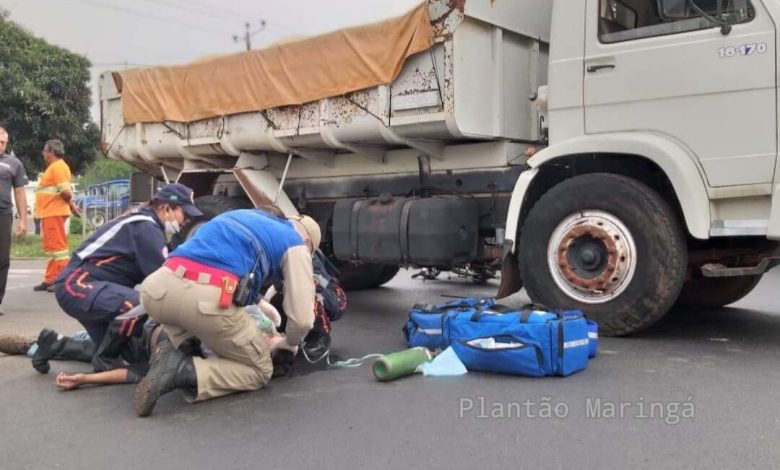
(227, 12)
(152, 17)
(117, 64)
(220, 9)
(194, 9)
(284, 29)
(280, 30)
(246, 37)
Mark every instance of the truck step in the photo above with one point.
(719, 270)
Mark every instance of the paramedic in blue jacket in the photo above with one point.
(195, 294)
(99, 282)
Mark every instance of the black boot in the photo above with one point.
(74, 349)
(62, 349)
(169, 369)
(49, 345)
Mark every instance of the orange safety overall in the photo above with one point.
(54, 210)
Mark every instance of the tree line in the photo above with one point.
(44, 94)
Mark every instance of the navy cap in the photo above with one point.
(179, 195)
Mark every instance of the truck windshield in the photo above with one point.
(734, 11)
(625, 20)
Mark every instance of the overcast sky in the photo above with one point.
(151, 32)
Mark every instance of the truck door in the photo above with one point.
(661, 66)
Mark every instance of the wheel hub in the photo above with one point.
(592, 256)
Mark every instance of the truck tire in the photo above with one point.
(387, 275)
(608, 245)
(211, 206)
(716, 292)
(364, 276)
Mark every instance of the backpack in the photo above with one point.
(328, 290)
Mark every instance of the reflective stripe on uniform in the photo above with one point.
(58, 255)
(63, 187)
(111, 233)
(47, 190)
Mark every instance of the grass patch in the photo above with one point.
(30, 246)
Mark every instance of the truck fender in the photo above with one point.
(679, 165)
(675, 161)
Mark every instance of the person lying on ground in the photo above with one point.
(123, 356)
(330, 305)
(137, 358)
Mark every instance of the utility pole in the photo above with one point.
(248, 33)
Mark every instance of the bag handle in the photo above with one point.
(529, 308)
(435, 308)
(498, 309)
(525, 311)
(427, 308)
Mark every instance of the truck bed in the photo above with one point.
(472, 86)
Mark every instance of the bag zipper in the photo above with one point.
(523, 345)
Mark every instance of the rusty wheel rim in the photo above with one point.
(592, 256)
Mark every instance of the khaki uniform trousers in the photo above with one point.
(188, 308)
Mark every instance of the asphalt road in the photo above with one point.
(699, 390)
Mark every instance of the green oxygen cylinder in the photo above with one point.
(400, 364)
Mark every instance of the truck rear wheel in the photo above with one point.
(716, 292)
(364, 276)
(606, 244)
(211, 206)
(387, 275)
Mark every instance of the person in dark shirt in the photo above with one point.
(99, 282)
(12, 181)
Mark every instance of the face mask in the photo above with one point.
(172, 226)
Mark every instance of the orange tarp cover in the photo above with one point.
(288, 74)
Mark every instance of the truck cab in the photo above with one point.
(658, 186)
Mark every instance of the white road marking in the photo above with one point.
(26, 286)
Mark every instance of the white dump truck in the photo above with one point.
(614, 155)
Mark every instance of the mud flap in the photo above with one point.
(511, 280)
